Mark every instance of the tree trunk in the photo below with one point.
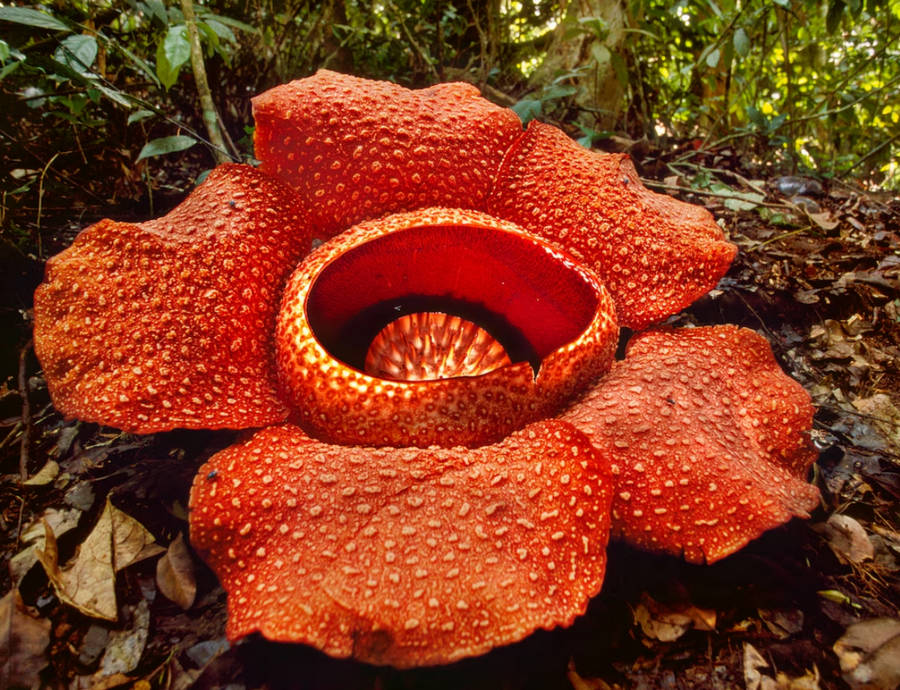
(576, 48)
(210, 116)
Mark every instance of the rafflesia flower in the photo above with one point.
(447, 442)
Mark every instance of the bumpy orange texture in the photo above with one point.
(405, 557)
(169, 323)
(357, 149)
(654, 253)
(566, 315)
(424, 556)
(709, 441)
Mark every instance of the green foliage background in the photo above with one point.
(800, 85)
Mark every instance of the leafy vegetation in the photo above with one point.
(795, 85)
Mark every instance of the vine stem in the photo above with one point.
(210, 116)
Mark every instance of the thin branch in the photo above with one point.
(26, 414)
(870, 154)
(41, 201)
(412, 41)
(719, 195)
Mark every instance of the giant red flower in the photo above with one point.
(448, 443)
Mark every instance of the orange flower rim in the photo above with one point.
(444, 442)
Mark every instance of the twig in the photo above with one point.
(782, 236)
(855, 413)
(55, 172)
(720, 195)
(412, 41)
(870, 154)
(26, 414)
(21, 517)
(769, 334)
(740, 178)
(41, 201)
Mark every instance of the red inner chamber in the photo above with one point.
(528, 297)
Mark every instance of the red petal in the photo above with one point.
(466, 258)
(404, 557)
(169, 323)
(654, 253)
(709, 441)
(358, 149)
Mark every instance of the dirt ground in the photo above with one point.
(813, 604)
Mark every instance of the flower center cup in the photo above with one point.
(440, 326)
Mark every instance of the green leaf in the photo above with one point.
(171, 54)
(52, 66)
(715, 8)
(221, 30)
(556, 92)
(741, 42)
(177, 46)
(157, 9)
(207, 16)
(164, 145)
(4, 51)
(756, 117)
(9, 69)
(209, 37)
(600, 53)
(527, 109)
(141, 64)
(740, 204)
(115, 95)
(712, 59)
(738, 201)
(594, 25)
(32, 17)
(139, 115)
(77, 52)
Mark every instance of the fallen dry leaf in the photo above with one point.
(808, 681)
(847, 539)
(667, 623)
(175, 574)
(824, 220)
(782, 622)
(126, 647)
(883, 413)
(45, 475)
(60, 521)
(753, 678)
(88, 581)
(23, 640)
(869, 654)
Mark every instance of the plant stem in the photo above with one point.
(210, 116)
(26, 413)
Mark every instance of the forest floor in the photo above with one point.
(814, 604)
